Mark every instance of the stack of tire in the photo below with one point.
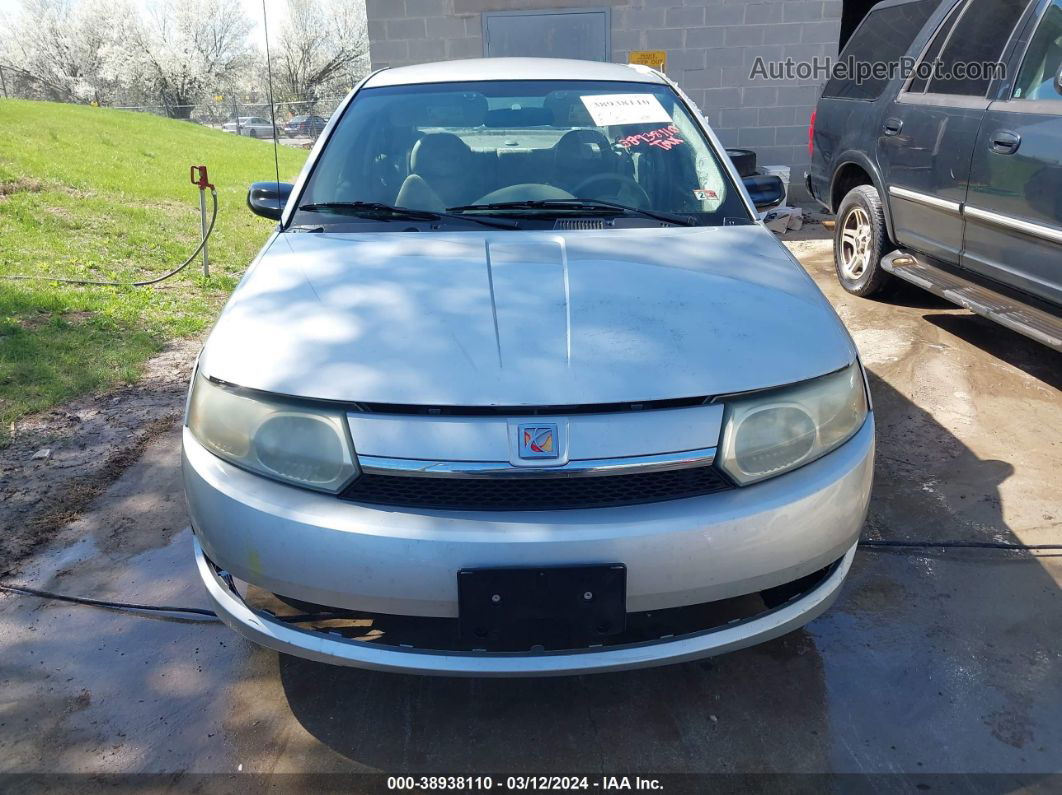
(744, 161)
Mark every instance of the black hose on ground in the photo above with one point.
(81, 600)
(871, 543)
(147, 282)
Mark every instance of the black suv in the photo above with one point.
(949, 174)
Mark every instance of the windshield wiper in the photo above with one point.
(387, 211)
(580, 205)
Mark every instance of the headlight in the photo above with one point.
(307, 447)
(769, 433)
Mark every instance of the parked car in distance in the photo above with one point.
(251, 126)
(233, 125)
(951, 180)
(309, 126)
(554, 409)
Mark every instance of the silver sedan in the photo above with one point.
(521, 385)
(251, 126)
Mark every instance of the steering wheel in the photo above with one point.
(627, 190)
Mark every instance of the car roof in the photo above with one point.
(491, 69)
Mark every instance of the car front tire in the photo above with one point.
(860, 240)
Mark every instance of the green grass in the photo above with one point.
(104, 194)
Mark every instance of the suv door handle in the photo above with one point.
(1005, 142)
(892, 126)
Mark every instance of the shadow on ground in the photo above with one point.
(1001, 343)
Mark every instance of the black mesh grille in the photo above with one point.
(534, 494)
(443, 634)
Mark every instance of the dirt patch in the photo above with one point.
(38, 319)
(20, 185)
(89, 443)
(62, 213)
(82, 700)
(169, 206)
(78, 318)
(34, 321)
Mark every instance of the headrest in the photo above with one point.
(440, 154)
(583, 148)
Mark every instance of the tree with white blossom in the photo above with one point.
(182, 51)
(57, 49)
(323, 49)
(176, 55)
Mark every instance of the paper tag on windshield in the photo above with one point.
(609, 109)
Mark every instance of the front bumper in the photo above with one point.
(320, 549)
(323, 647)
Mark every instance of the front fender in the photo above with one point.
(859, 158)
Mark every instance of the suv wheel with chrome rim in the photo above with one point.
(860, 241)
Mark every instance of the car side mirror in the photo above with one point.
(1058, 80)
(766, 191)
(267, 199)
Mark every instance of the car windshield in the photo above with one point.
(535, 146)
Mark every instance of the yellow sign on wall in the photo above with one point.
(657, 59)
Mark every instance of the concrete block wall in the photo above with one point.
(711, 46)
(403, 32)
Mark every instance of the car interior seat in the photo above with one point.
(441, 174)
(580, 155)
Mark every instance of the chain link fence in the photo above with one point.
(298, 122)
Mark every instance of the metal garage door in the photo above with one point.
(576, 33)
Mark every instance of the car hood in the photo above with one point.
(502, 318)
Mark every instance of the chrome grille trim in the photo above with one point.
(593, 467)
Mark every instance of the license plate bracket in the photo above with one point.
(520, 609)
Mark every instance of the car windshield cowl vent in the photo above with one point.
(582, 223)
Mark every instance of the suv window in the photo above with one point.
(919, 82)
(1039, 70)
(884, 36)
(974, 43)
